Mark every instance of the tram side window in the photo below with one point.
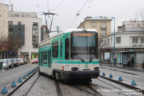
(67, 48)
(39, 58)
(49, 58)
(61, 49)
(44, 58)
(55, 50)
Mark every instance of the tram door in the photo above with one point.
(49, 58)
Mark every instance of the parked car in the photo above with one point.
(4, 64)
(25, 60)
(10, 63)
(21, 61)
(15, 62)
(34, 60)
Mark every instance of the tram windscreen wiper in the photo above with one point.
(82, 60)
(90, 60)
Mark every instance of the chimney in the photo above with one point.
(11, 7)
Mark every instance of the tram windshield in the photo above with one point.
(84, 45)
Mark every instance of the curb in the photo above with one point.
(10, 93)
(124, 84)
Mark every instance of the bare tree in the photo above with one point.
(10, 45)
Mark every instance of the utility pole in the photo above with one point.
(47, 14)
(114, 53)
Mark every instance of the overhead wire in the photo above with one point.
(48, 5)
(79, 12)
(58, 5)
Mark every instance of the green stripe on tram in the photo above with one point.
(76, 62)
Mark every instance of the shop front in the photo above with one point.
(129, 59)
(34, 55)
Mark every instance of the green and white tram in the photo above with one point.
(70, 55)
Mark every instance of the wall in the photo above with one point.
(3, 21)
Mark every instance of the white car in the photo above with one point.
(21, 61)
(4, 63)
(15, 62)
(25, 60)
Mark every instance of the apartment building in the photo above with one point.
(101, 24)
(129, 43)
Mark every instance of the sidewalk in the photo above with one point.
(121, 67)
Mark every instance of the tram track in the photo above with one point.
(56, 83)
(11, 93)
(96, 92)
(31, 86)
(58, 89)
(62, 89)
(92, 91)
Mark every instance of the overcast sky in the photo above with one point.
(122, 10)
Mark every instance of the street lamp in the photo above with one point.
(114, 57)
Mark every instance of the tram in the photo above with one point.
(70, 55)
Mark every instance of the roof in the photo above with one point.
(78, 30)
(4, 4)
(123, 33)
(98, 18)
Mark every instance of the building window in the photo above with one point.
(108, 41)
(10, 22)
(142, 40)
(135, 40)
(103, 25)
(94, 24)
(103, 32)
(118, 39)
(105, 42)
(111, 41)
(35, 35)
(16, 15)
(19, 22)
(17, 32)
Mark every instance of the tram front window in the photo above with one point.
(84, 45)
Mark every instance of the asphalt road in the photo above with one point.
(13, 74)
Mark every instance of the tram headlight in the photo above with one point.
(74, 69)
(96, 68)
(62, 68)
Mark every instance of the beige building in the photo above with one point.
(101, 24)
(3, 21)
(24, 26)
(31, 29)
